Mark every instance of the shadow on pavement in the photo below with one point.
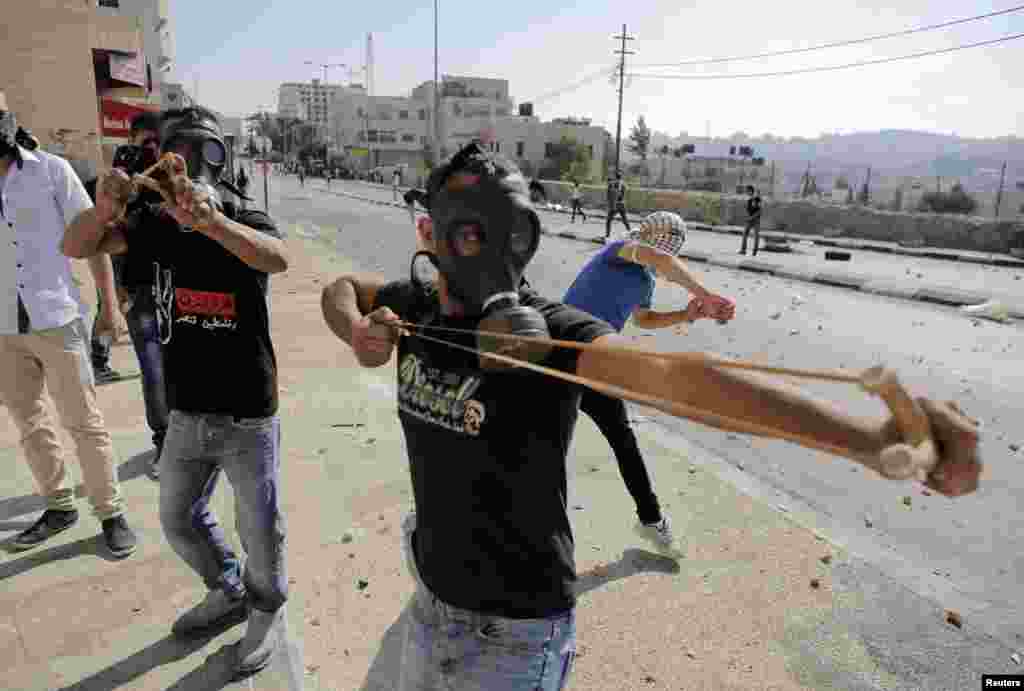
(31, 503)
(164, 651)
(39, 556)
(632, 562)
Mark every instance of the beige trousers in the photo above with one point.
(58, 360)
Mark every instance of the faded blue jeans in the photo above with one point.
(451, 649)
(145, 335)
(248, 450)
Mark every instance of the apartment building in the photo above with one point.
(529, 141)
(154, 17)
(381, 130)
(75, 75)
(313, 101)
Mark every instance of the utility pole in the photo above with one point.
(437, 99)
(999, 194)
(622, 53)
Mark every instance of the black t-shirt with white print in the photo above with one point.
(487, 453)
(212, 314)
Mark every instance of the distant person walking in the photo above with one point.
(753, 219)
(302, 177)
(396, 180)
(327, 174)
(243, 185)
(616, 204)
(577, 203)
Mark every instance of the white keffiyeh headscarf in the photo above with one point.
(662, 230)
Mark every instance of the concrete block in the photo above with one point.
(758, 266)
(893, 288)
(796, 273)
(950, 296)
(840, 279)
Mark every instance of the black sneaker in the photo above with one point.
(119, 537)
(48, 525)
(106, 375)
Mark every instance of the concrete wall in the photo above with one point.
(804, 217)
(46, 54)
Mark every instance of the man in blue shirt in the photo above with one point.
(616, 284)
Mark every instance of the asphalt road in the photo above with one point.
(965, 552)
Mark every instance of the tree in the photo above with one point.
(956, 201)
(640, 139)
(565, 158)
(842, 183)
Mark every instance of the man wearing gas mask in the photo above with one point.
(44, 342)
(211, 267)
(135, 273)
(490, 545)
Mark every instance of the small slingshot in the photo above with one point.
(168, 177)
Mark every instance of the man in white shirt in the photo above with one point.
(44, 342)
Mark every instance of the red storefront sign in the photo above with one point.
(117, 116)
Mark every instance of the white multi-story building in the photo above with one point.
(157, 38)
(313, 101)
(528, 140)
(381, 130)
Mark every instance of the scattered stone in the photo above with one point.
(732, 436)
(936, 572)
(577, 507)
(1015, 447)
(782, 507)
(740, 466)
(291, 581)
(690, 654)
(136, 610)
(794, 332)
(346, 538)
(592, 468)
(371, 440)
(827, 559)
(312, 669)
(1016, 658)
(815, 583)
(820, 327)
(692, 470)
(649, 679)
(361, 584)
(926, 492)
(776, 315)
(347, 425)
(315, 621)
(906, 501)
(954, 619)
(868, 522)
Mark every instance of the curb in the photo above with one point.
(950, 297)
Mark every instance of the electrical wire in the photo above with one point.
(829, 68)
(837, 44)
(575, 85)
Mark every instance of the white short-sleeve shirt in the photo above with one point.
(39, 200)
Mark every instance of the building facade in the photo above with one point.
(154, 17)
(75, 75)
(312, 101)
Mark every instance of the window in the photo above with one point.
(359, 111)
(497, 147)
(423, 140)
(520, 148)
(388, 136)
(549, 150)
(403, 115)
(409, 138)
(371, 135)
(423, 113)
(501, 112)
(114, 4)
(384, 114)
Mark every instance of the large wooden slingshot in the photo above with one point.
(915, 459)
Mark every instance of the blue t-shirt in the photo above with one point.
(610, 287)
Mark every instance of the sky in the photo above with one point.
(239, 51)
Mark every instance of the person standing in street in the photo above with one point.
(243, 185)
(616, 204)
(577, 202)
(753, 219)
(615, 285)
(302, 176)
(490, 546)
(44, 342)
(396, 182)
(136, 275)
(213, 266)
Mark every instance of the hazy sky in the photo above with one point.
(242, 49)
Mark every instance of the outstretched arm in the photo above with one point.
(348, 308)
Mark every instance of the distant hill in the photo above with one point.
(890, 153)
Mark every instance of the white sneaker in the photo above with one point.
(260, 642)
(660, 535)
(216, 609)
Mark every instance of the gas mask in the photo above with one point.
(485, 233)
(196, 137)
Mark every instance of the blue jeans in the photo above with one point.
(196, 450)
(145, 337)
(452, 649)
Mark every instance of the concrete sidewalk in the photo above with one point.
(950, 283)
(759, 602)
